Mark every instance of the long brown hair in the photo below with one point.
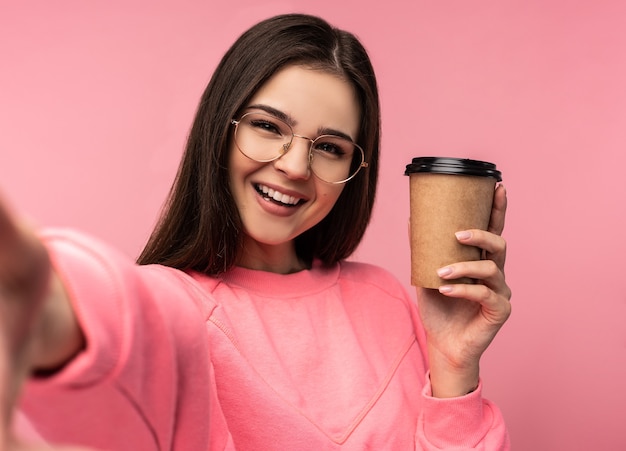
(200, 228)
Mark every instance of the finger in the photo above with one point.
(8, 228)
(494, 245)
(498, 211)
(496, 309)
(24, 278)
(23, 259)
(487, 271)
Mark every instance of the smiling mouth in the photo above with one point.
(277, 197)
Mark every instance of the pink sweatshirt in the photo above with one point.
(324, 359)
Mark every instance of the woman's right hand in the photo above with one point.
(38, 328)
(24, 277)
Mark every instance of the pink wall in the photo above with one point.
(96, 99)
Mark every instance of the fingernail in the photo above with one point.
(445, 289)
(463, 235)
(442, 272)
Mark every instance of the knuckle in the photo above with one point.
(492, 268)
(507, 311)
(484, 293)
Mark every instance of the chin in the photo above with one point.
(271, 239)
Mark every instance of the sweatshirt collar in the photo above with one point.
(305, 282)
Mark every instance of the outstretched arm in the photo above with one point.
(38, 328)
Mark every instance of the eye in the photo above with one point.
(266, 126)
(333, 147)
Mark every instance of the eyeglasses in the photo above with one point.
(264, 138)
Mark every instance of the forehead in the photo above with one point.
(313, 98)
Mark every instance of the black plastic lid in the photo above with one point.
(459, 166)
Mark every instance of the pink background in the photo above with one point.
(96, 99)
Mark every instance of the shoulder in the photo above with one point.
(91, 267)
(374, 295)
(368, 276)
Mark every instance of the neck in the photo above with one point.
(279, 259)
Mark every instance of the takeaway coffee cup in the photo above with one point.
(447, 195)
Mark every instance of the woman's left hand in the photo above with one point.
(461, 320)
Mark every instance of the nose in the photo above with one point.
(294, 162)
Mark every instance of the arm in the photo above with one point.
(143, 330)
(38, 329)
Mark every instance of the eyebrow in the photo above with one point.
(278, 114)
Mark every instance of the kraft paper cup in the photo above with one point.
(447, 195)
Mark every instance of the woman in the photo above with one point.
(244, 327)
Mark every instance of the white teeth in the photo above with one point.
(278, 196)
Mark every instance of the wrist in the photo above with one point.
(450, 381)
(448, 384)
(452, 386)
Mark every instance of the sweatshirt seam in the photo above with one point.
(352, 426)
(284, 295)
(140, 412)
(374, 279)
(344, 273)
(379, 393)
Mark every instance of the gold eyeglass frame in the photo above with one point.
(287, 146)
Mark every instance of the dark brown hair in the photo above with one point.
(200, 228)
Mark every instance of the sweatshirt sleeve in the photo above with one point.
(468, 422)
(135, 385)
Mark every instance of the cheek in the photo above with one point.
(330, 195)
(239, 167)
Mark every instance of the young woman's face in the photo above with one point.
(279, 200)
